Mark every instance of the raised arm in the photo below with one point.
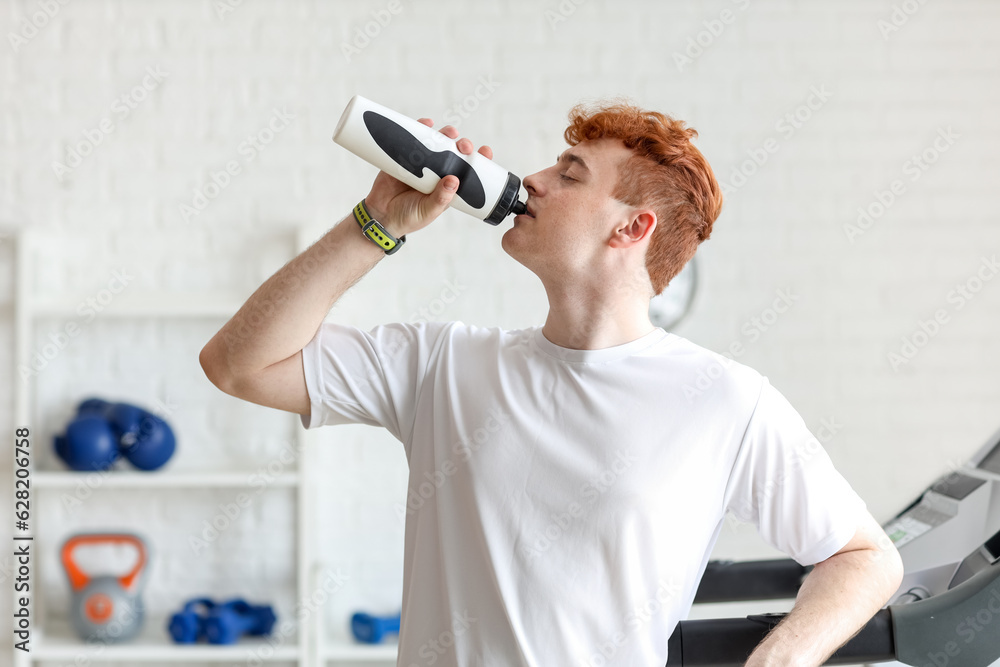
(257, 355)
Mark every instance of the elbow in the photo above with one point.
(894, 571)
(214, 367)
(900, 571)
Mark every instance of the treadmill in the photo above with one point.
(946, 612)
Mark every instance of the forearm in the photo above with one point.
(838, 597)
(282, 316)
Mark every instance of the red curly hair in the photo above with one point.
(665, 173)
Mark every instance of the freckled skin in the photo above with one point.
(573, 218)
(587, 248)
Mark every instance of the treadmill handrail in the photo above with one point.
(735, 581)
(728, 642)
(942, 628)
(961, 622)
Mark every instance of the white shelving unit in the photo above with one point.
(358, 653)
(56, 642)
(60, 644)
(120, 479)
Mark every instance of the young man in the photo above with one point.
(567, 484)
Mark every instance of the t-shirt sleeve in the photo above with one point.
(368, 377)
(784, 482)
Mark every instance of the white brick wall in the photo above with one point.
(784, 228)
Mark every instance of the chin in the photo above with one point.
(511, 245)
(506, 243)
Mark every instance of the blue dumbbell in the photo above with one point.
(188, 625)
(371, 629)
(227, 622)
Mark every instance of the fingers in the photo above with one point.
(464, 145)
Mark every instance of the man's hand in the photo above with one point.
(403, 210)
(836, 601)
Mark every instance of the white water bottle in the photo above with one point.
(421, 156)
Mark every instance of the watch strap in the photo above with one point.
(375, 231)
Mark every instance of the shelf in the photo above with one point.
(121, 479)
(154, 645)
(53, 639)
(346, 650)
(127, 304)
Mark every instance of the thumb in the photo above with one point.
(450, 185)
(445, 192)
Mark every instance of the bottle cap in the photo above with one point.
(508, 202)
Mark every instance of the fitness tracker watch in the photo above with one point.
(375, 232)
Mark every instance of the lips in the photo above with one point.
(529, 213)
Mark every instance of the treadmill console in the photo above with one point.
(991, 462)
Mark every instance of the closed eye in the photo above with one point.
(566, 178)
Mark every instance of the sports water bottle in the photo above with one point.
(421, 156)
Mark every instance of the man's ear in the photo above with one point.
(637, 227)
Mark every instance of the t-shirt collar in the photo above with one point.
(601, 356)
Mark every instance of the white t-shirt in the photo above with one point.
(562, 504)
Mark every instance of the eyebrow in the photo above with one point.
(572, 157)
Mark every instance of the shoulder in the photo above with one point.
(462, 335)
(454, 333)
(386, 339)
(707, 374)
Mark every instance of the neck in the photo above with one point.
(589, 316)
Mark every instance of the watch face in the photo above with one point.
(670, 306)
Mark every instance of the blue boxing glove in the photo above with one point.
(145, 440)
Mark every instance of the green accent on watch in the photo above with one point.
(374, 230)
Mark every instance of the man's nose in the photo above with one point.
(531, 184)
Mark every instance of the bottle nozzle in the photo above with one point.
(518, 208)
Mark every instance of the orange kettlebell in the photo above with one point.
(107, 607)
